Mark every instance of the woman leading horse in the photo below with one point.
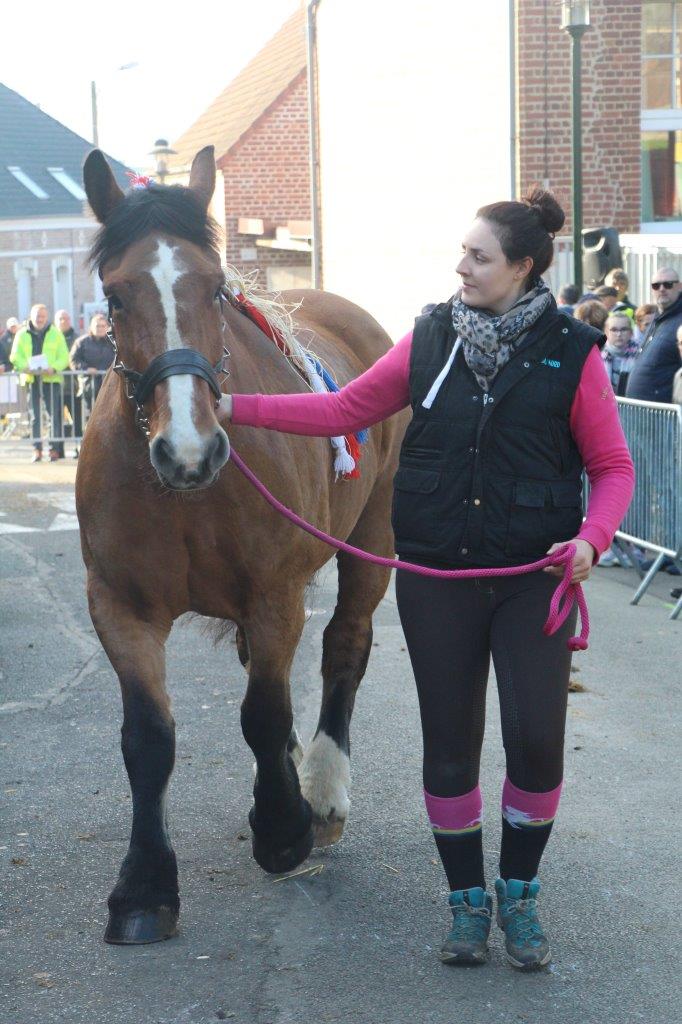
(168, 528)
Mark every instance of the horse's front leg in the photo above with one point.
(280, 818)
(144, 904)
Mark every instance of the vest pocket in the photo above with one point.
(542, 514)
(414, 511)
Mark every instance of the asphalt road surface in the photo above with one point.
(357, 939)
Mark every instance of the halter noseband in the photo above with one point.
(139, 386)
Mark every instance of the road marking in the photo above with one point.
(63, 521)
(65, 501)
(66, 518)
(14, 528)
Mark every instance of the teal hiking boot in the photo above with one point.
(472, 912)
(525, 942)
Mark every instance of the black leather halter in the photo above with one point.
(139, 386)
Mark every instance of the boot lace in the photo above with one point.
(522, 921)
(469, 922)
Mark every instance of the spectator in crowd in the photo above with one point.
(651, 379)
(6, 341)
(90, 356)
(72, 400)
(62, 318)
(644, 316)
(618, 279)
(677, 379)
(620, 351)
(607, 296)
(593, 312)
(567, 299)
(39, 352)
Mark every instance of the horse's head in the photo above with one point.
(158, 256)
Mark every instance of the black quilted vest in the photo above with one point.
(491, 480)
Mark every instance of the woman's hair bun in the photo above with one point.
(547, 208)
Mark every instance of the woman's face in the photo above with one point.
(644, 321)
(489, 280)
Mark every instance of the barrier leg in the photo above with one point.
(644, 585)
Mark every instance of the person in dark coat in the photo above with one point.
(72, 400)
(91, 355)
(652, 376)
(6, 341)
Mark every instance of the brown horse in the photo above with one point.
(169, 526)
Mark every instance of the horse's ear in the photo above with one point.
(202, 174)
(100, 185)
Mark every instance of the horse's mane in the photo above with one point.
(178, 211)
(173, 209)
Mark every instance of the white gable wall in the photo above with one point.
(414, 136)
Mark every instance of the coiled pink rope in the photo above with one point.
(562, 599)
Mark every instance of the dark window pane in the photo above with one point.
(657, 83)
(661, 176)
(657, 27)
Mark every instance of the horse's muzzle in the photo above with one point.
(180, 475)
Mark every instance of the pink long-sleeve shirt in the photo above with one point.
(384, 389)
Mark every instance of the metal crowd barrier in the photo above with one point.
(62, 410)
(654, 520)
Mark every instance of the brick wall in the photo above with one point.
(611, 55)
(267, 175)
(42, 247)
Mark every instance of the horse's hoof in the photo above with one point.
(141, 926)
(328, 830)
(275, 861)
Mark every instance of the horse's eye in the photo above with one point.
(114, 301)
(219, 293)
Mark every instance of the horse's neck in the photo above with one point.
(256, 364)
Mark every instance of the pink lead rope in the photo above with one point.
(562, 600)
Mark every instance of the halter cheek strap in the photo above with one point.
(139, 386)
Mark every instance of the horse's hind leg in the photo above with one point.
(347, 642)
(144, 904)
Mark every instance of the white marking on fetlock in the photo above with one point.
(325, 779)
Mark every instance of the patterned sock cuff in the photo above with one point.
(455, 815)
(520, 808)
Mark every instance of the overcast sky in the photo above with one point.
(185, 57)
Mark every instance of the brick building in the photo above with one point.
(611, 107)
(46, 228)
(259, 126)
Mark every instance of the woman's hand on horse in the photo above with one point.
(225, 408)
(583, 560)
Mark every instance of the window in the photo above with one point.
(28, 183)
(661, 113)
(60, 175)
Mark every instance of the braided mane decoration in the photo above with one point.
(275, 319)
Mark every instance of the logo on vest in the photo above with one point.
(554, 363)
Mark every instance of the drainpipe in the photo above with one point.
(311, 12)
(512, 97)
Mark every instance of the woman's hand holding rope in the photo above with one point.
(583, 560)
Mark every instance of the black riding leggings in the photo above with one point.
(452, 627)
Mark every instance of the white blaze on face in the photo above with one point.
(181, 431)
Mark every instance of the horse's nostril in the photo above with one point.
(162, 453)
(218, 451)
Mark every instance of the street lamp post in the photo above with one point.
(161, 152)
(93, 102)
(575, 18)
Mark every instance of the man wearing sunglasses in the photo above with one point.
(651, 379)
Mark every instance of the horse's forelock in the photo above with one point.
(171, 209)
